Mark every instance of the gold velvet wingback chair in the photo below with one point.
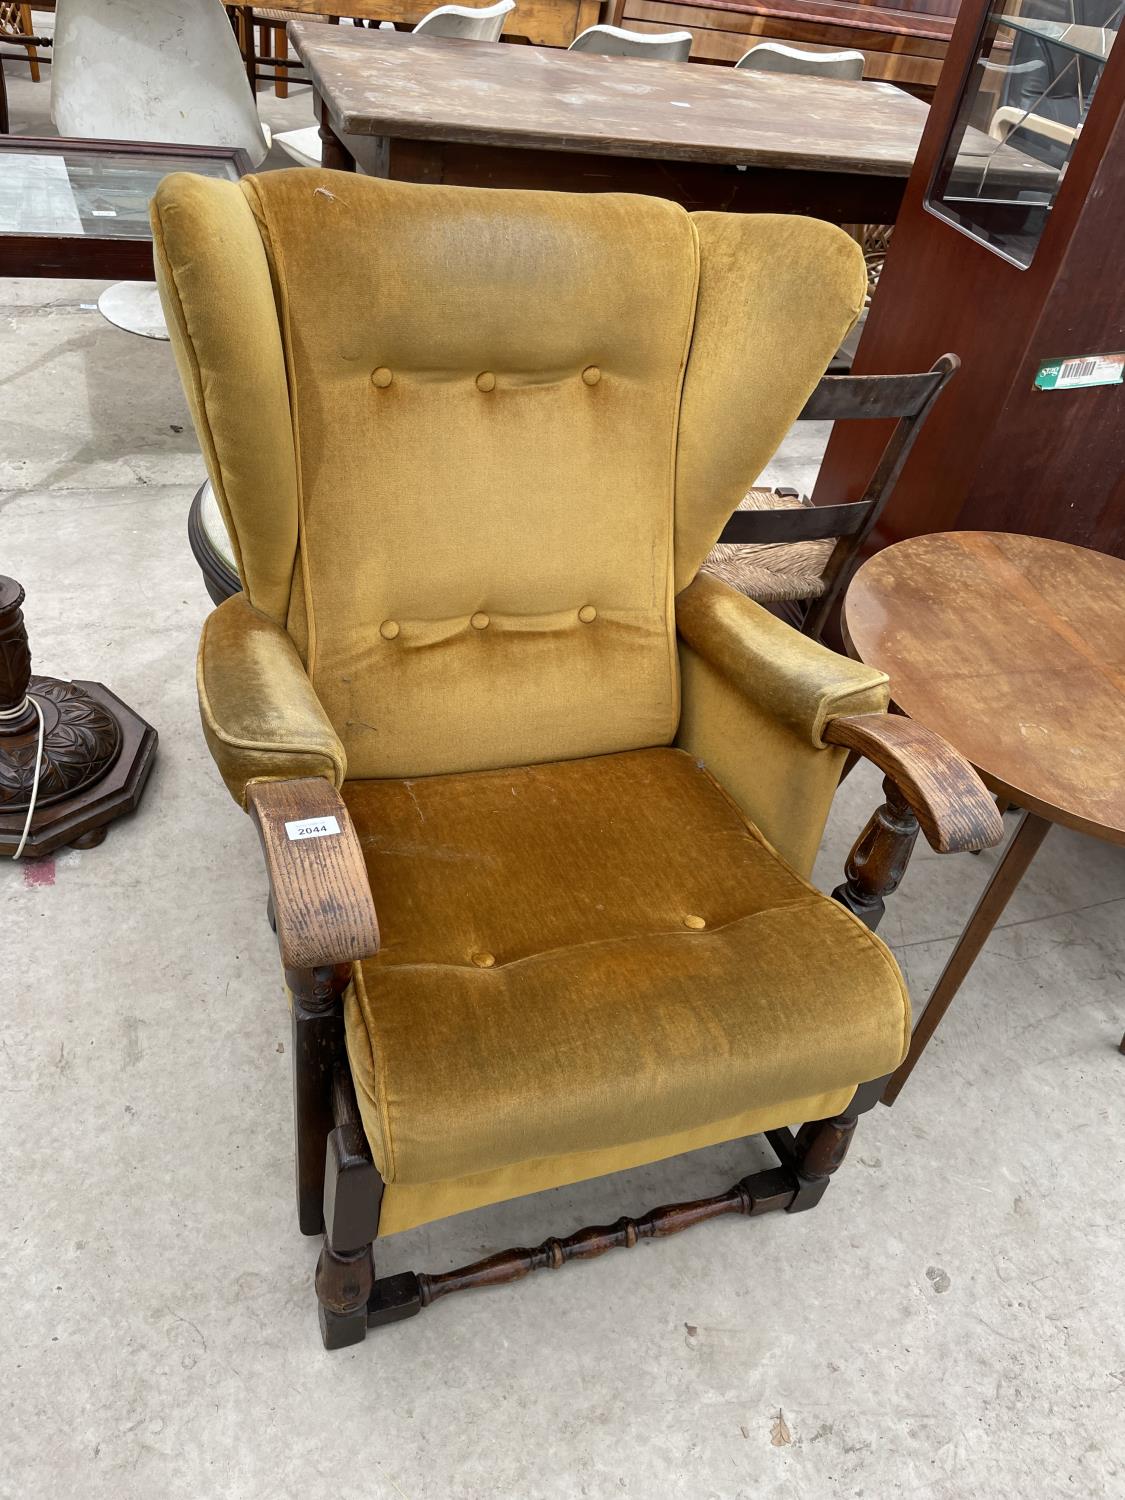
(472, 447)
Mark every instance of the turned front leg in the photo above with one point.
(879, 858)
(353, 1196)
(818, 1148)
(343, 1284)
(318, 1046)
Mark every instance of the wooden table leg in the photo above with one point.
(1007, 875)
(242, 17)
(333, 153)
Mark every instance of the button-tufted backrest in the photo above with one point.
(444, 425)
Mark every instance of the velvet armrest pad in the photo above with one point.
(261, 717)
(793, 679)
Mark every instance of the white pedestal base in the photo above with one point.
(135, 307)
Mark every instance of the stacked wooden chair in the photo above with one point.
(16, 27)
(780, 549)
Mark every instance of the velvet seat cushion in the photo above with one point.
(591, 953)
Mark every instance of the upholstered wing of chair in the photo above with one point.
(472, 447)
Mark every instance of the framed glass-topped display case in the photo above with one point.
(1033, 74)
(80, 207)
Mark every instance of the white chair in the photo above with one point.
(151, 70)
(469, 23)
(1009, 118)
(616, 41)
(778, 57)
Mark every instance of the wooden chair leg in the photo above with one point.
(879, 858)
(28, 29)
(353, 1194)
(343, 1285)
(807, 1162)
(241, 20)
(819, 1149)
(350, 1300)
(280, 61)
(318, 1048)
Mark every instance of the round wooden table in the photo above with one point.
(1013, 649)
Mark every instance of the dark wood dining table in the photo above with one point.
(480, 114)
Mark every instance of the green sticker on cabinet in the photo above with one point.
(1082, 370)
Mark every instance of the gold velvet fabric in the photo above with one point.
(756, 697)
(491, 433)
(222, 318)
(589, 954)
(406, 1204)
(777, 293)
(483, 455)
(471, 447)
(261, 718)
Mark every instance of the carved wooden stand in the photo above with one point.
(342, 1189)
(97, 753)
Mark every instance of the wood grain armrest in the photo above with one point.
(321, 896)
(954, 808)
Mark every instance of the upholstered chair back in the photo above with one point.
(469, 443)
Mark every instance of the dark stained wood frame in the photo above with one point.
(910, 398)
(955, 810)
(91, 256)
(322, 911)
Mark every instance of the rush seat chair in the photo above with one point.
(472, 447)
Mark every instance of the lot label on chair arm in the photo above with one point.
(311, 828)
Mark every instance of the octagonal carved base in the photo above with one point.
(81, 740)
(80, 818)
(96, 756)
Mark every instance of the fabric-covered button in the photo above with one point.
(697, 924)
(478, 621)
(587, 613)
(591, 374)
(486, 381)
(389, 629)
(484, 960)
(381, 377)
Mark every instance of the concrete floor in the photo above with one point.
(950, 1322)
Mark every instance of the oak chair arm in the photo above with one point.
(954, 808)
(320, 894)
